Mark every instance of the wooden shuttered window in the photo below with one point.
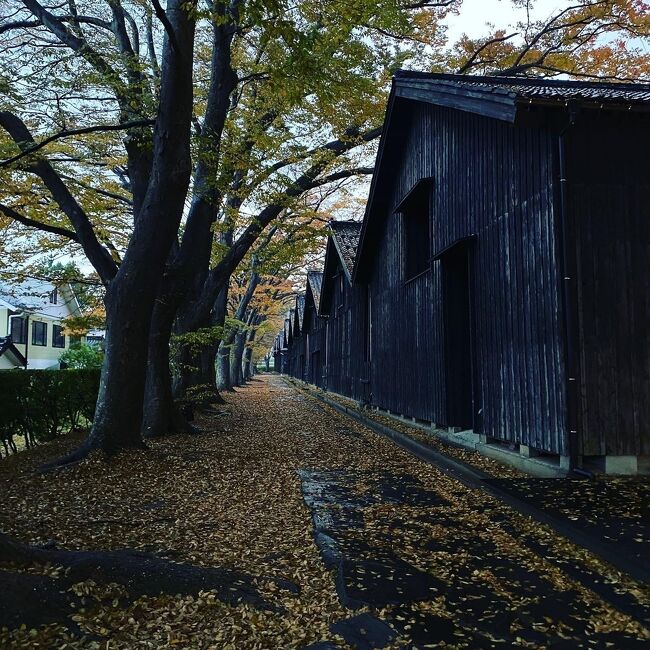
(416, 230)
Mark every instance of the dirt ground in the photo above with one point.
(348, 540)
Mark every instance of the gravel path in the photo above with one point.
(386, 551)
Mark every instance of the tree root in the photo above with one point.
(81, 453)
(73, 458)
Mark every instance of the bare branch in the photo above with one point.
(97, 190)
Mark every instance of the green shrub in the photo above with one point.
(41, 404)
(82, 357)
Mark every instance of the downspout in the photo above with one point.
(26, 340)
(569, 291)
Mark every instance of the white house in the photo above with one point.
(31, 323)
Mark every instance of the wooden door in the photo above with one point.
(459, 362)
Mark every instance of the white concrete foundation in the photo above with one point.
(527, 452)
(624, 465)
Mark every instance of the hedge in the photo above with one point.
(41, 404)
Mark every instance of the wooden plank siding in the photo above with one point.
(496, 181)
(313, 340)
(534, 296)
(609, 202)
(346, 364)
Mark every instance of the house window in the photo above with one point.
(58, 337)
(39, 333)
(416, 228)
(18, 330)
(53, 297)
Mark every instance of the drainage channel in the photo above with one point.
(475, 478)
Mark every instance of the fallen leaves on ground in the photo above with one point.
(232, 498)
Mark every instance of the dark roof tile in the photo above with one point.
(346, 239)
(315, 280)
(540, 90)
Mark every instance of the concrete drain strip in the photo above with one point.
(475, 478)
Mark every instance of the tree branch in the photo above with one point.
(26, 24)
(97, 190)
(472, 60)
(333, 146)
(66, 133)
(77, 44)
(98, 256)
(162, 17)
(32, 223)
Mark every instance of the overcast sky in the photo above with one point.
(476, 13)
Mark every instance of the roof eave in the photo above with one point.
(495, 103)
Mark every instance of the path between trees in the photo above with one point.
(335, 536)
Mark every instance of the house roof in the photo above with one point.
(496, 97)
(8, 348)
(501, 96)
(33, 296)
(345, 235)
(315, 281)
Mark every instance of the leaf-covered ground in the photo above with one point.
(418, 559)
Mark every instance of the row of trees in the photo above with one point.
(192, 152)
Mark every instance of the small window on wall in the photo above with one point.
(53, 297)
(18, 330)
(416, 228)
(341, 292)
(58, 337)
(39, 333)
(416, 231)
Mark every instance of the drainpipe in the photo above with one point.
(26, 340)
(569, 291)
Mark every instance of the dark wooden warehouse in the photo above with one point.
(314, 331)
(501, 281)
(506, 248)
(296, 352)
(344, 305)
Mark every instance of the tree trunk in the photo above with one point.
(224, 380)
(249, 370)
(131, 294)
(162, 414)
(237, 353)
(118, 414)
(248, 364)
(196, 368)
